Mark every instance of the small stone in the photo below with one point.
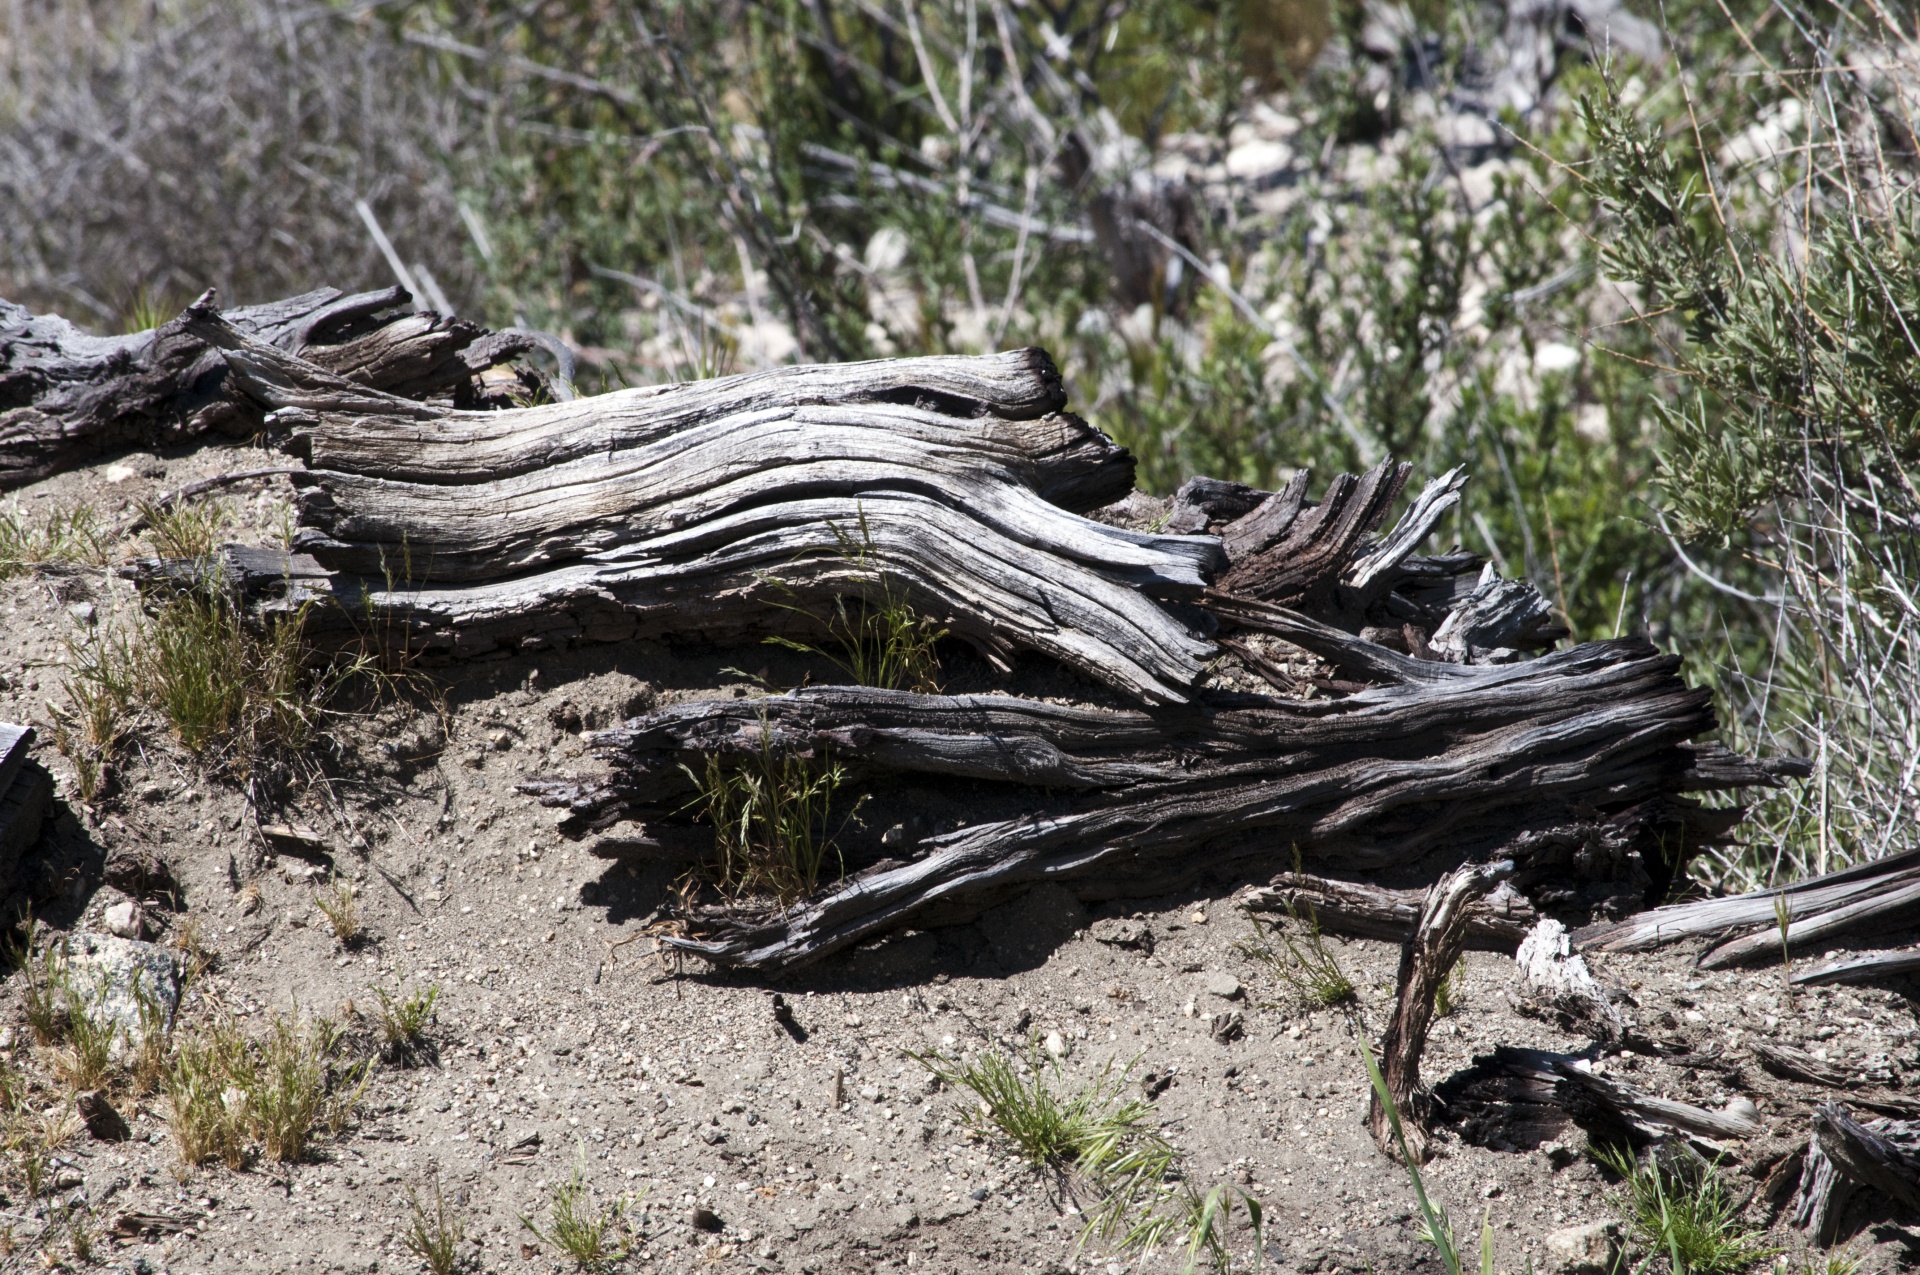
(1559, 1154)
(1123, 932)
(1199, 918)
(1741, 1107)
(1591, 1249)
(870, 1092)
(126, 920)
(1223, 985)
(102, 1121)
(499, 740)
(82, 611)
(1056, 1045)
(894, 836)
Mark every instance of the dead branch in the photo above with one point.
(1425, 962)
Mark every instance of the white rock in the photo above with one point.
(1057, 1045)
(1223, 985)
(1591, 1249)
(106, 969)
(125, 919)
(1555, 356)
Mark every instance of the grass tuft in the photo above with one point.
(434, 1236)
(772, 814)
(184, 530)
(590, 1232)
(339, 902)
(1102, 1139)
(404, 1020)
(61, 535)
(1304, 964)
(283, 1090)
(880, 638)
(1679, 1208)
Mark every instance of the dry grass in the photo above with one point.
(281, 1091)
(339, 903)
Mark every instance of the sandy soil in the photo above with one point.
(565, 1044)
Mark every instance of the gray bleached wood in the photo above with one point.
(696, 511)
(67, 396)
(1497, 923)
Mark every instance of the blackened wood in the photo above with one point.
(1612, 1108)
(67, 397)
(1426, 960)
(1845, 1155)
(1806, 900)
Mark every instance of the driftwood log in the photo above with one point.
(1845, 1155)
(721, 510)
(731, 509)
(1497, 923)
(67, 397)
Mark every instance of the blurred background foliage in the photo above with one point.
(1649, 277)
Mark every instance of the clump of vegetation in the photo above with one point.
(592, 1232)
(208, 1113)
(1303, 964)
(879, 638)
(86, 1061)
(1101, 1138)
(60, 535)
(187, 529)
(774, 819)
(404, 1020)
(230, 694)
(433, 1235)
(1680, 1210)
(282, 1090)
(339, 902)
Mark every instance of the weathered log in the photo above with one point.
(1873, 967)
(67, 397)
(1879, 895)
(1610, 1108)
(1541, 761)
(1789, 1063)
(698, 510)
(1496, 923)
(1425, 961)
(1845, 1155)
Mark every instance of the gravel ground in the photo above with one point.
(566, 1045)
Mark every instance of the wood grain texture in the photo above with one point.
(711, 510)
(1863, 899)
(67, 396)
(1496, 923)
(1426, 959)
(1542, 760)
